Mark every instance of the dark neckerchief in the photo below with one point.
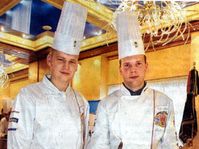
(133, 93)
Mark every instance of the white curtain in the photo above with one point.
(173, 88)
(21, 16)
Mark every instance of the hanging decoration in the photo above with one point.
(189, 126)
(161, 21)
(4, 79)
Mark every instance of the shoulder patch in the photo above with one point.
(161, 118)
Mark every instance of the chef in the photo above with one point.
(135, 116)
(51, 114)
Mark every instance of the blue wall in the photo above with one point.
(93, 105)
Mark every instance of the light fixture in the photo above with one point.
(98, 33)
(9, 13)
(2, 29)
(47, 27)
(3, 78)
(27, 36)
(162, 21)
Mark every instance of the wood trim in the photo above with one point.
(5, 5)
(98, 51)
(114, 46)
(25, 56)
(22, 74)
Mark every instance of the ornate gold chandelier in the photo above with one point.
(3, 78)
(161, 21)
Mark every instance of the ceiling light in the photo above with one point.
(9, 13)
(27, 36)
(46, 27)
(2, 29)
(98, 33)
(24, 35)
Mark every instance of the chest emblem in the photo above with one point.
(161, 118)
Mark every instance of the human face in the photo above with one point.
(62, 66)
(133, 69)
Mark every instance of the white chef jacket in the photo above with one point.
(134, 121)
(45, 118)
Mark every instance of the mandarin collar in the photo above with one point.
(46, 81)
(126, 91)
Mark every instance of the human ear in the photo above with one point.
(49, 59)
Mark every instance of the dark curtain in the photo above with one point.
(189, 126)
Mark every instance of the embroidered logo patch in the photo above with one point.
(161, 118)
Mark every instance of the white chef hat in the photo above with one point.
(129, 35)
(70, 29)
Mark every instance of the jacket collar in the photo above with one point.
(50, 86)
(126, 92)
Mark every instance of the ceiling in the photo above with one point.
(42, 17)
